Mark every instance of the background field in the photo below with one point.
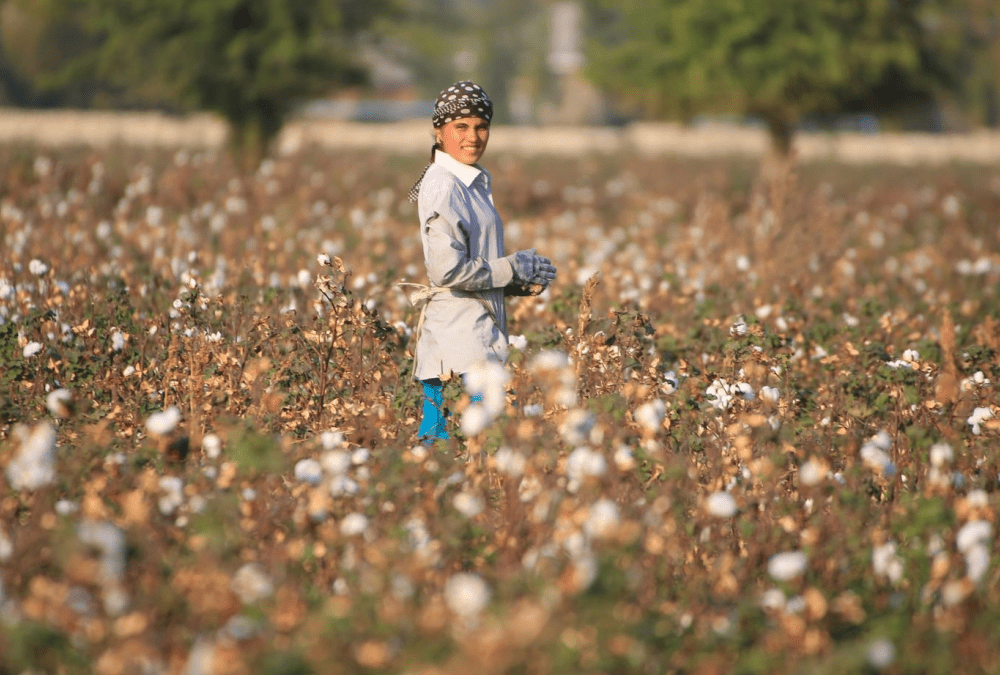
(751, 428)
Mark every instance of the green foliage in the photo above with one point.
(290, 663)
(779, 61)
(257, 453)
(250, 61)
(33, 646)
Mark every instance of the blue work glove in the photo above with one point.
(525, 264)
(545, 272)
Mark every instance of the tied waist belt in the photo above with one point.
(420, 296)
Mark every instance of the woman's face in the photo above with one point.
(464, 139)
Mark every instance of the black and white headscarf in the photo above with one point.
(462, 99)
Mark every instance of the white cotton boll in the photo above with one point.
(489, 381)
(251, 584)
(336, 462)
(584, 463)
(770, 394)
(721, 505)
(31, 349)
(576, 425)
(977, 562)
(212, 445)
(109, 541)
(323, 259)
(466, 594)
(603, 519)
(468, 504)
(650, 415)
(534, 409)
(37, 267)
(474, 420)
(331, 439)
(978, 416)
(882, 440)
(353, 524)
(117, 341)
(583, 572)
(941, 455)
(342, 486)
(575, 544)
(670, 382)
(812, 472)
(172, 488)
(529, 488)
(881, 653)
(519, 342)
(162, 423)
(565, 396)
(724, 393)
(34, 465)
(978, 499)
(877, 459)
(796, 605)
(624, 459)
(59, 403)
(548, 359)
(972, 533)
(739, 328)
(509, 462)
(885, 562)
(787, 565)
(360, 456)
(309, 471)
(772, 599)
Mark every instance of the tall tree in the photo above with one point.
(250, 61)
(779, 60)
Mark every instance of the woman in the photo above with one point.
(463, 321)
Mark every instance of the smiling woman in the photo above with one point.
(463, 322)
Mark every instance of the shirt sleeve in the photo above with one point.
(446, 248)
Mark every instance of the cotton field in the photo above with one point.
(752, 427)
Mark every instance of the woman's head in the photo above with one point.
(461, 118)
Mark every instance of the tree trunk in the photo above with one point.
(780, 130)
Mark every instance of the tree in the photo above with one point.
(778, 60)
(250, 61)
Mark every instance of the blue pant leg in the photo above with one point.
(433, 423)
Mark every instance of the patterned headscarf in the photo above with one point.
(462, 99)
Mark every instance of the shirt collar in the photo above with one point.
(467, 173)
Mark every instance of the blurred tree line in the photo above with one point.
(784, 62)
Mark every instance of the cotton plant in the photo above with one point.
(886, 563)
(555, 369)
(723, 393)
(875, 454)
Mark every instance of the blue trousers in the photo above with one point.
(434, 418)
